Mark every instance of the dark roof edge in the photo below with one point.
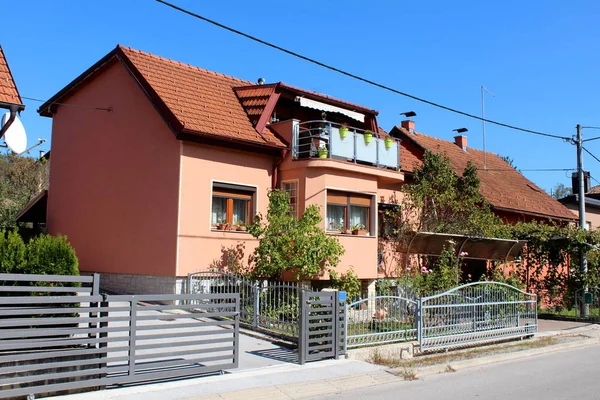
(520, 211)
(45, 109)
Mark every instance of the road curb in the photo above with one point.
(497, 358)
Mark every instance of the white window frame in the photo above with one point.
(297, 183)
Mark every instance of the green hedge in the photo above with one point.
(45, 255)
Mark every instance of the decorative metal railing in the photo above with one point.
(475, 313)
(325, 139)
(272, 306)
(381, 319)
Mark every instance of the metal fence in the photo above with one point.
(475, 313)
(272, 306)
(381, 319)
(57, 334)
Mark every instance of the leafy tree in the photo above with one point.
(347, 282)
(21, 179)
(289, 244)
(560, 190)
(438, 200)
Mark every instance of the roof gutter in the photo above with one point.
(13, 115)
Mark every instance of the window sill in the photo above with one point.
(333, 233)
(229, 231)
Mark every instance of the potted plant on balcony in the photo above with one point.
(323, 152)
(359, 229)
(343, 131)
(388, 142)
(368, 135)
(240, 226)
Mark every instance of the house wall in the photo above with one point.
(114, 190)
(592, 215)
(360, 251)
(201, 165)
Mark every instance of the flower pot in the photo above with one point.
(368, 135)
(323, 153)
(343, 132)
(388, 142)
(222, 227)
(231, 227)
(359, 232)
(241, 228)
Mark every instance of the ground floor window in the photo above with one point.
(346, 211)
(232, 204)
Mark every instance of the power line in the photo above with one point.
(529, 170)
(69, 105)
(357, 77)
(591, 154)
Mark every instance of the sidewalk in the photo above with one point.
(292, 381)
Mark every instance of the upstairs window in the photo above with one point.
(232, 204)
(347, 211)
(291, 187)
(388, 215)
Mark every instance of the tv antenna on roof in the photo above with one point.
(483, 90)
(14, 136)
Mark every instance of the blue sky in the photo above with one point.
(540, 58)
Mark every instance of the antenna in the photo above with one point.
(483, 90)
(15, 136)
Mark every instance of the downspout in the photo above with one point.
(11, 119)
(275, 175)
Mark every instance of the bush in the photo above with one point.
(44, 255)
(50, 255)
(12, 252)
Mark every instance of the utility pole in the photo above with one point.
(585, 309)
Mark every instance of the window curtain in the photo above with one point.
(240, 211)
(359, 215)
(335, 216)
(219, 210)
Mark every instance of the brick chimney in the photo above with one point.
(409, 125)
(461, 141)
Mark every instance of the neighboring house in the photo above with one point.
(511, 195)
(142, 184)
(592, 206)
(10, 98)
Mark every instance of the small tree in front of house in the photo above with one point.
(290, 244)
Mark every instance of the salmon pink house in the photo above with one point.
(162, 162)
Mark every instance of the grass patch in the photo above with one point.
(377, 357)
(449, 368)
(407, 374)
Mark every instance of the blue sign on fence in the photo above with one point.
(342, 295)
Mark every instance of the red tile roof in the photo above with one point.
(254, 99)
(503, 186)
(202, 101)
(8, 90)
(196, 102)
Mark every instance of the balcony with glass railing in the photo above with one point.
(330, 140)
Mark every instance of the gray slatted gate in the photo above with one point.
(57, 333)
(322, 326)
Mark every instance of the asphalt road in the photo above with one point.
(568, 374)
